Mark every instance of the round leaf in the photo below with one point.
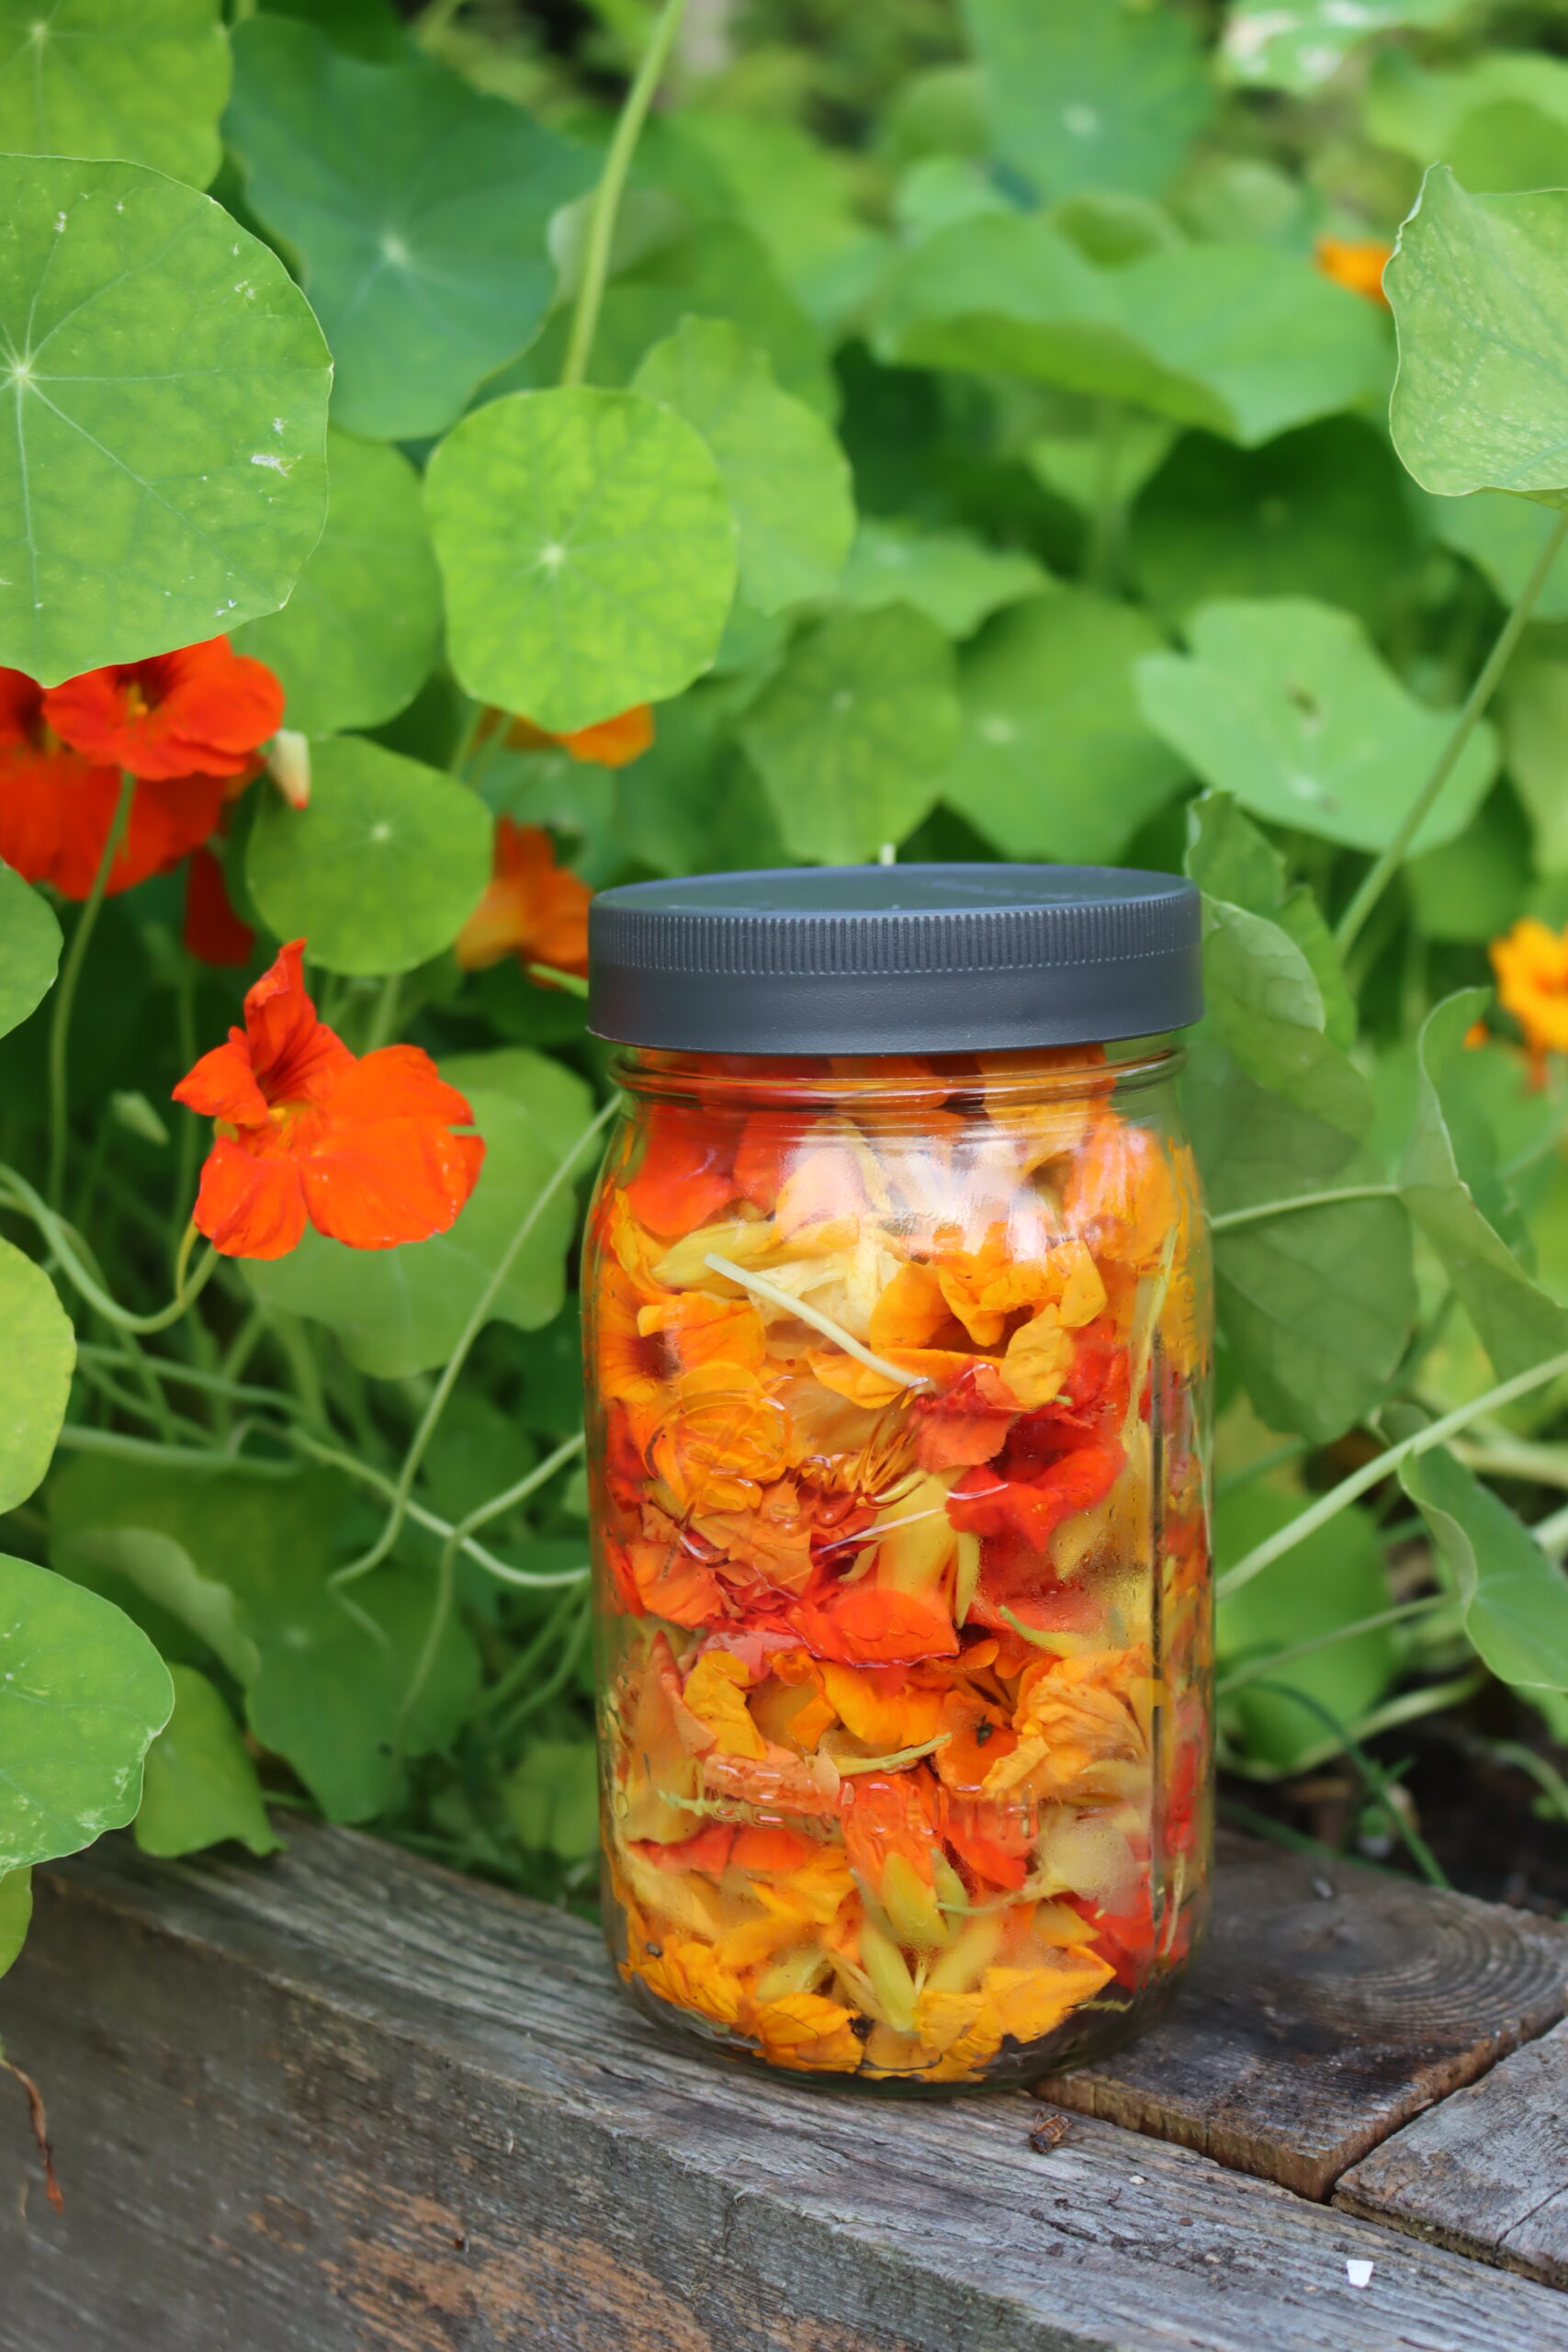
(1082, 95)
(1323, 513)
(82, 1693)
(418, 208)
(1302, 44)
(86, 77)
(36, 1365)
(162, 476)
(852, 737)
(1285, 704)
(1504, 537)
(15, 1914)
(1479, 289)
(30, 949)
(1055, 759)
(200, 1785)
(956, 580)
(1335, 1578)
(402, 1311)
(588, 550)
(383, 868)
(361, 632)
(788, 478)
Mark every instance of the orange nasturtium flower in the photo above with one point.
(186, 725)
(609, 744)
(212, 931)
(200, 711)
(1531, 965)
(532, 909)
(362, 1150)
(1355, 263)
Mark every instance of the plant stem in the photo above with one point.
(1448, 759)
(403, 1488)
(65, 995)
(607, 194)
(380, 1483)
(1259, 1210)
(1371, 1474)
(54, 1232)
(1242, 1675)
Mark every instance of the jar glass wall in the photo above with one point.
(899, 1377)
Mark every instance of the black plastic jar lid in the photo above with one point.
(893, 959)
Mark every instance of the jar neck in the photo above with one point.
(896, 1081)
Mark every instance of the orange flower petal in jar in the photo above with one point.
(899, 1337)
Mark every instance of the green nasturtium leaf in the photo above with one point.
(1053, 759)
(1229, 858)
(1473, 889)
(1515, 1600)
(1479, 289)
(321, 1690)
(1090, 94)
(15, 1914)
(1448, 1164)
(382, 868)
(165, 390)
(1335, 1578)
(1242, 340)
(1266, 1008)
(553, 1798)
(951, 576)
(1504, 537)
(1321, 513)
(402, 1311)
(852, 737)
(200, 1785)
(1316, 1304)
(30, 949)
(785, 476)
(1497, 108)
(95, 1538)
(556, 1101)
(362, 630)
(1284, 704)
(418, 208)
(1297, 45)
(588, 550)
(1095, 460)
(142, 80)
(82, 1693)
(37, 1356)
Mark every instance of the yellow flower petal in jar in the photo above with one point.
(715, 1693)
(1121, 1196)
(1029, 2003)
(688, 1974)
(723, 1437)
(1038, 1359)
(701, 1330)
(880, 1707)
(816, 1890)
(806, 2029)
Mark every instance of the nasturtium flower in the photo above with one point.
(1531, 965)
(532, 909)
(203, 710)
(1355, 263)
(609, 744)
(308, 1132)
(57, 804)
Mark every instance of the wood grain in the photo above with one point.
(1487, 2171)
(345, 2100)
(1329, 2005)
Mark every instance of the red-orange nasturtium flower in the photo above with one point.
(1355, 263)
(203, 710)
(307, 1131)
(533, 910)
(608, 743)
(57, 805)
(1531, 965)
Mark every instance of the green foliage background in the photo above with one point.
(947, 428)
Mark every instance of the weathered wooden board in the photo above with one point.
(1329, 2005)
(346, 2100)
(1486, 2172)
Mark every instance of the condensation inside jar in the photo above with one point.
(899, 1393)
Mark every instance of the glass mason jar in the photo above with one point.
(898, 1319)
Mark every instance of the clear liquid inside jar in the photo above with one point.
(898, 1378)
